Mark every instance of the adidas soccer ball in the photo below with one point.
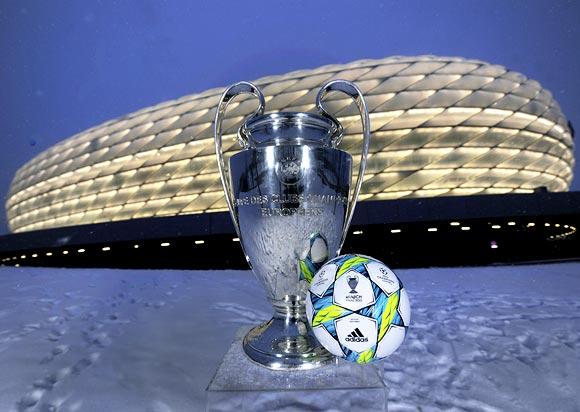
(358, 308)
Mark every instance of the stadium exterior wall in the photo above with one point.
(441, 127)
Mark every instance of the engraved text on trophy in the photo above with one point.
(277, 204)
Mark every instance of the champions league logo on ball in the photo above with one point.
(352, 282)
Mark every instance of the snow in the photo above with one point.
(481, 339)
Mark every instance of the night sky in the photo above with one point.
(66, 65)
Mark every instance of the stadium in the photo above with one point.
(469, 161)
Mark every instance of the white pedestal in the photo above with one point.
(241, 385)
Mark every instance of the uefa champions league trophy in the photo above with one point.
(289, 194)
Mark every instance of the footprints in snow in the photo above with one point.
(454, 337)
(56, 351)
(104, 326)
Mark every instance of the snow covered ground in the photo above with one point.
(482, 339)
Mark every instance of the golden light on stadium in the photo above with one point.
(441, 127)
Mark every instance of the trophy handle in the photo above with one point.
(227, 96)
(354, 92)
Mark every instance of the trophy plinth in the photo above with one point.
(245, 386)
(289, 195)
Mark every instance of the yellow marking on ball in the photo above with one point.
(366, 356)
(328, 313)
(306, 272)
(388, 314)
(349, 264)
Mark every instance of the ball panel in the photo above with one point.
(357, 333)
(353, 291)
(323, 279)
(328, 341)
(392, 339)
(383, 277)
(405, 307)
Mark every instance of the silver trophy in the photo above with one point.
(289, 194)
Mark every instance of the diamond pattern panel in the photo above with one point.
(441, 127)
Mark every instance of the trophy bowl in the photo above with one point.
(290, 196)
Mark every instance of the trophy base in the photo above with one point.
(241, 385)
(285, 343)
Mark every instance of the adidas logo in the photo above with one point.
(356, 336)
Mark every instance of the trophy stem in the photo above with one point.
(286, 342)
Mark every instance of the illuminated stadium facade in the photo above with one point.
(441, 127)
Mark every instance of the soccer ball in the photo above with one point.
(358, 308)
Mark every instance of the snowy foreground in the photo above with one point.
(481, 339)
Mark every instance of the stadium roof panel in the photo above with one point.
(442, 126)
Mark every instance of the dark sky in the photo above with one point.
(69, 65)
